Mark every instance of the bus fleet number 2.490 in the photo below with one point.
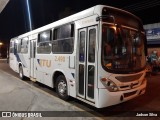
(59, 59)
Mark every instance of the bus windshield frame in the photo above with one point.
(122, 49)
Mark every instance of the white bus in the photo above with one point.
(97, 56)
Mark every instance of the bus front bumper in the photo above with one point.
(107, 98)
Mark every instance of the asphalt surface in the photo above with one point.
(39, 97)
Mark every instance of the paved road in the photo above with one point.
(147, 103)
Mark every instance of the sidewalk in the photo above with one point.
(16, 95)
(3, 60)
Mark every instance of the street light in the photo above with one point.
(0, 48)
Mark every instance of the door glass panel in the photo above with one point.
(81, 79)
(82, 47)
(34, 49)
(90, 92)
(92, 41)
(31, 51)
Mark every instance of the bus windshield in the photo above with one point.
(122, 49)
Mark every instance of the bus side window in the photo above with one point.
(24, 45)
(63, 41)
(11, 47)
(44, 45)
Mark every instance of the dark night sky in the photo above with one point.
(13, 19)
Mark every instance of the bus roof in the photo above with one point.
(96, 10)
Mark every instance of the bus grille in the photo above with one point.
(129, 93)
(129, 86)
(128, 78)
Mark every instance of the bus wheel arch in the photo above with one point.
(60, 83)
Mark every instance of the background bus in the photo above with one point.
(97, 56)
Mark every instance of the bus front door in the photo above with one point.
(87, 59)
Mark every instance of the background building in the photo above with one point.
(153, 44)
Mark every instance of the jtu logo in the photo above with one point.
(44, 63)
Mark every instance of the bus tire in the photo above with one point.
(21, 75)
(61, 87)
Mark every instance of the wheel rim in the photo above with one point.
(62, 87)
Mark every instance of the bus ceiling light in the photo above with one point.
(110, 85)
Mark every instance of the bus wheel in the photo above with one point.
(21, 75)
(61, 87)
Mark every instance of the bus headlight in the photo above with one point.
(110, 85)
